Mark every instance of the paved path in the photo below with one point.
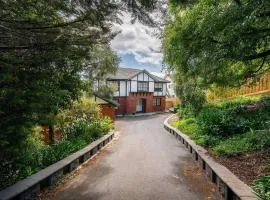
(146, 163)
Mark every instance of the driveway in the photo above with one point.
(145, 163)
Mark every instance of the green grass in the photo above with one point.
(174, 124)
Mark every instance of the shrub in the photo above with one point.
(76, 128)
(188, 126)
(84, 109)
(230, 117)
(249, 141)
(261, 187)
(210, 121)
(186, 111)
(23, 160)
(81, 125)
(176, 107)
(106, 124)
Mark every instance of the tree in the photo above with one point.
(223, 42)
(45, 48)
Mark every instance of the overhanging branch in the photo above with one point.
(259, 55)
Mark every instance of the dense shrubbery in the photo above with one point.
(232, 117)
(80, 125)
(229, 127)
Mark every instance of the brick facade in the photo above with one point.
(162, 104)
(128, 104)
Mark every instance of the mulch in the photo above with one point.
(247, 166)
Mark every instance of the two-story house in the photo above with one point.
(138, 91)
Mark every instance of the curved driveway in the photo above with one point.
(145, 163)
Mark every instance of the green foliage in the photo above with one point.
(215, 42)
(186, 111)
(254, 140)
(176, 107)
(188, 126)
(230, 117)
(261, 187)
(218, 41)
(81, 124)
(210, 121)
(227, 128)
(85, 109)
(46, 47)
(191, 94)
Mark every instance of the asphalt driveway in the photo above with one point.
(145, 163)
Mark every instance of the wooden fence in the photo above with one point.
(171, 102)
(252, 88)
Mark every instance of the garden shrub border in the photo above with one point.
(30, 187)
(230, 187)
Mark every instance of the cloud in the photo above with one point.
(137, 39)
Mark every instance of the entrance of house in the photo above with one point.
(141, 106)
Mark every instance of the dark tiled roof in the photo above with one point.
(124, 74)
(129, 73)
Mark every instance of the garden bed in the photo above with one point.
(247, 166)
(236, 134)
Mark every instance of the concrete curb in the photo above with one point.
(230, 187)
(30, 187)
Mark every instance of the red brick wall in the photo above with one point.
(108, 110)
(123, 105)
(162, 105)
(134, 97)
(129, 103)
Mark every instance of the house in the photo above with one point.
(138, 91)
(107, 106)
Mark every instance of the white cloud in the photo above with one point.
(137, 39)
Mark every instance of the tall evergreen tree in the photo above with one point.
(45, 47)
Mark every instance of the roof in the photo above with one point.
(102, 100)
(129, 73)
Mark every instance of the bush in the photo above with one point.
(186, 111)
(188, 126)
(261, 187)
(176, 107)
(230, 117)
(81, 125)
(210, 121)
(254, 140)
(84, 109)
(22, 161)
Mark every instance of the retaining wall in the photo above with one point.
(230, 187)
(30, 187)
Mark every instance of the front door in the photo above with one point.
(141, 105)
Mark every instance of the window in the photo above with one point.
(157, 102)
(142, 86)
(158, 87)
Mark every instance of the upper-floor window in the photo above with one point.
(158, 87)
(143, 86)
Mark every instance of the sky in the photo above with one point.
(137, 46)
